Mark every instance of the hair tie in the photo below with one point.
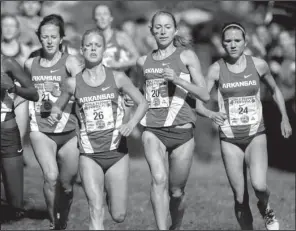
(234, 25)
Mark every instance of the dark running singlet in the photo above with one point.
(167, 102)
(39, 111)
(114, 51)
(100, 113)
(7, 101)
(239, 98)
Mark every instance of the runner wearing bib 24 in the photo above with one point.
(103, 164)
(242, 132)
(169, 73)
(55, 147)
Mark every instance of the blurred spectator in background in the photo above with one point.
(71, 42)
(62, 8)
(9, 7)
(29, 19)
(11, 45)
(139, 31)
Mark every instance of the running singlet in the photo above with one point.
(167, 105)
(239, 98)
(7, 102)
(114, 51)
(39, 111)
(100, 114)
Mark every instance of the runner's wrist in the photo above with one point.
(12, 89)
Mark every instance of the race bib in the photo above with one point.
(243, 110)
(45, 95)
(157, 93)
(98, 115)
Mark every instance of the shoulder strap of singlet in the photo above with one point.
(250, 62)
(149, 57)
(223, 69)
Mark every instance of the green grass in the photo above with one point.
(209, 201)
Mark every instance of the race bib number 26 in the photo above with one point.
(98, 115)
(243, 110)
(157, 93)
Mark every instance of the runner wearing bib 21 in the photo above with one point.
(169, 73)
(241, 125)
(103, 164)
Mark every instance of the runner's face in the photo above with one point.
(9, 28)
(103, 17)
(50, 38)
(163, 30)
(93, 48)
(31, 8)
(234, 43)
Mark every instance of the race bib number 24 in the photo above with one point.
(243, 110)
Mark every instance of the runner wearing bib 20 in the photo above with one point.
(103, 164)
(170, 72)
(11, 160)
(242, 132)
(55, 147)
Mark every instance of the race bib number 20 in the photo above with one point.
(157, 93)
(243, 111)
(98, 115)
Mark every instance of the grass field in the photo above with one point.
(210, 204)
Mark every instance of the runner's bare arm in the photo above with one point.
(266, 77)
(125, 41)
(74, 65)
(198, 87)
(211, 79)
(124, 83)
(68, 90)
(140, 74)
(27, 89)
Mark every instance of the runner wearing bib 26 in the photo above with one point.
(103, 165)
(242, 132)
(170, 73)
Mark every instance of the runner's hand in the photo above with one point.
(113, 64)
(54, 117)
(126, 129)
(169, 74)
(218, 117)
(6, 81)
(49, 86)
(286, 128)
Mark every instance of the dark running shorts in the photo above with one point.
(105, 159)
(61, 138)
(172, 138)
(242, 142)
(10, 142)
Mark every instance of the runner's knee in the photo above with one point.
(177, 193)
(239, 196)
(258, 185)
(51, 177)
(159, 179)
